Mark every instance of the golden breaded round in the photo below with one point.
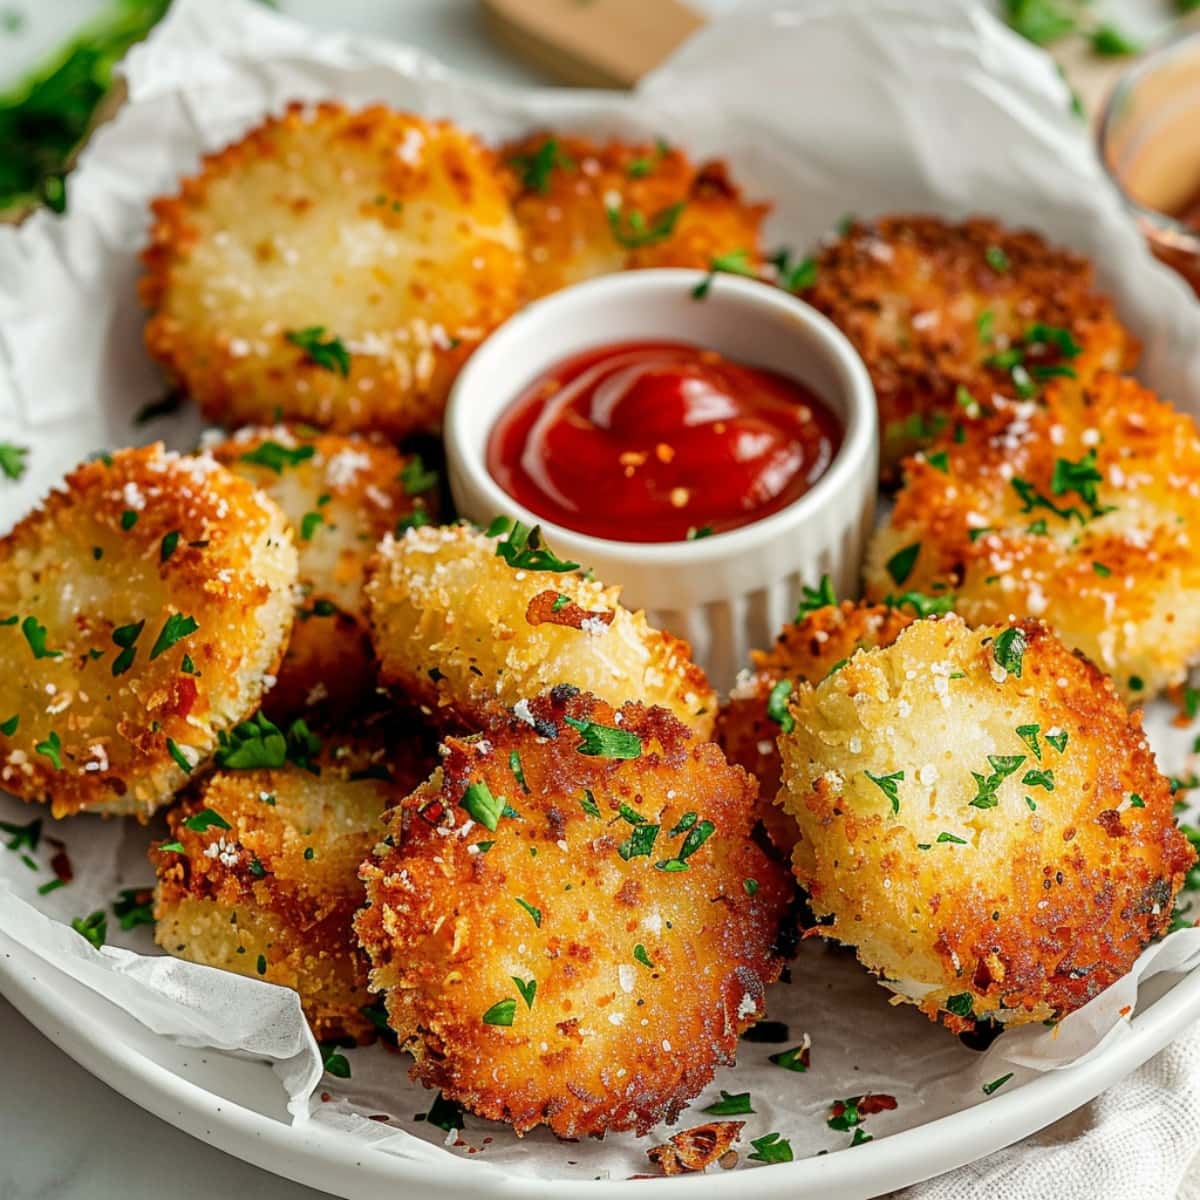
(142, 607)
(591, 959)
(982, 820)
(666, 211)
(266, 884)
(341, 494)
(460, 631)
(1083, 511)
(334, 267)
(751, 720)
(928, 303)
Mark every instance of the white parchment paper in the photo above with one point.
(825, 108)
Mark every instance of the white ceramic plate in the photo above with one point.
(238, 1107)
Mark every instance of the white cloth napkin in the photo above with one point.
(1137, 1141)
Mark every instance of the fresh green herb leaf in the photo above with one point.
(9, 727)
(923, 605)
(795, 1059)
(501, 1013)
(334, 1062)
(417, 477)
(128, 519)
(605, 741)
(1135, 801)
(12, 459)
(206, 818)
(900, 565)
(1029, 735)
(52, 749)
(169, 543)
(889, 785)
(93, 927)
(730, 1104)
(534, 169)
(535, 913)
(771, 1148)
(134, 907)
(171, 848)
(939, 461)
(523, 548)
(1009, 650)
(777, 706)
(1109, 42)
(951, 838)
(996, 1084)
(261, 965)
(695, 533)
(126, 636)
(178, 755)
(413, 520)
(445, 1114)
(1041, 21)
(514, 765)
(1039, 778)
(639, 843)
(812, 599)
(997, 259)
(527, 988)
(750, 887)
(1058, 740)
(309, 524)
(631, 229)
(35, 635)
(639, 952)
(276, 457)
(482, 805)
(736, 262)
(960, 1004)
(328, 353)
(589, 805)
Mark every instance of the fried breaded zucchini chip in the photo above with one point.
(821, 640)
(946, 315)
(588, 209)
(571, 925)
(335, 267)
(468, 625)
(982, 820)
(265, 880)
(341, 495)
(1082, 510)
(142, 608)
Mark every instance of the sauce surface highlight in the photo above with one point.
(653, 441)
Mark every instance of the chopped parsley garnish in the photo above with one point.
(952, 838)
(684, 823)
(309, 854)
(134, 907)
(171, 848)
(171, 401)
(889, 785)
(309, 524)
(939, 461)
(523, 548)
(445, 1114)
(35, 635)
(12, 460)
(23, 836)
(501, 1013)
(413, 520)
(1003, 765)
(771, 1148)
(996, 1084)
(1135, 801)
(1029, 735)
(750, 887)
(631, 229)
(1109, 42)
(535, 913)
(697, 836)
(482, 805)
(736, 262)
(93, 927)
(967, 402)
(900, 565)
(206, 818)
(812, 599)
(334, 1062)
(276, 458)
(52, 749)
(588, 804)
(794, 276)
(514, 765)
(844, 1115)
(417, 477)
(126, 636)
(187, 666)
(960, 1004)
(1058, 740)
(261, 965)
(997, 259)
(169, 543)
(534, 169)
(795, 1059)
(9, 727)
(328, 353)
(639, 952)
(605, 741)
(1081, 478)
(921, 604)
(178, 755)
(984, 323)
(128, 519)
(777, 708)
(639, 843)
(695, 533)
(260, 743)
(730, 1104)
(1009, 650)
(1039, 778)
(1136, 683)
(560, 602)
(527, 988)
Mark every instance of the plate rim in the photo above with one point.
(320, 1158)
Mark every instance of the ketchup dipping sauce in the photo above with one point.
(660, 442)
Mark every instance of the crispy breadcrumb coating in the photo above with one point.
(668, 212)
(143, 607)
(982, 820)
(1082, 510)
(460, 631)
(591, 959)
(267, 885)
(341, 495)
(804, 652)
(333, 266)
(928, 303)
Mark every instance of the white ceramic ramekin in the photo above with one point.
(733, 591)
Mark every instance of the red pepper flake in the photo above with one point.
(696, 1148)
(379, 1117)
(553, 608)
(877, 1102)
(325, 1097)
(60, 864)
(1110, 821)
